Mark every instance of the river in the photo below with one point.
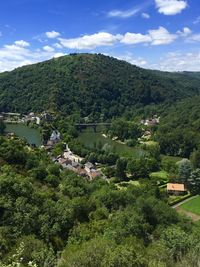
(32, 136)
(91, 139)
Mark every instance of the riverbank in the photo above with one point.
(92, 139)
(32, 135)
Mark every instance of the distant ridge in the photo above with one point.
(91, 84)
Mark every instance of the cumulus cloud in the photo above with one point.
(19, 54)
(52, 34)
(160, 36)
(186, 32)
(170, 7)
(189, 36)
(90, 41)
(22, 43)
(135, 38)
(48, 48)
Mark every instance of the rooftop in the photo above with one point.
(176, 187)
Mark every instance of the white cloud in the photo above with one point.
(145, 16)
(193, 38)
(19, 54)
(22, 43)
(135, 38)
(52, 34)
(161, 36)
(186, 32)
(177, 61)
(48, 48)
(189, 36)
(90, 41)
(124, 14)
(56, 55)
(129, 57)
(170, 7)
(138, 61)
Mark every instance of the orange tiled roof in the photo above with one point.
(176, 187)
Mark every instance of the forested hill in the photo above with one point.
(89, 84)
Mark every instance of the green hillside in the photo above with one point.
(89, 84)
(178, 132)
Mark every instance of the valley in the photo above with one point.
(92, 172)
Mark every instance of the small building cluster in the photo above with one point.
(10, 117)
(72, 162)
(32, 117)
(151, 122)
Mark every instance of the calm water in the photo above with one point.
(32, 136)
(91, 139)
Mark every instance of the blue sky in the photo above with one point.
(157, 34)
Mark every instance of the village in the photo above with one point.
(29, 118)
(68, 160)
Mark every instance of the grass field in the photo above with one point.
(192, 206)
(161, 177)
(160, 174)
(124, 185)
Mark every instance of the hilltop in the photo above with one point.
(91, 84)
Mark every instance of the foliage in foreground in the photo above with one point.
(53, 218)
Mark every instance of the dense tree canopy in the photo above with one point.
(45, 212)
(96, 86)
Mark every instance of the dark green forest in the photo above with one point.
(53, 218)
(91, 85)
(179, 131)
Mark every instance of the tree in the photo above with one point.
(184, 170)
(195, 158)
(176, 240)
(2, 127)
(90, 254)
(121, 168)
(139, 168)
(130, 254)
(194, 182)
(35, 251)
